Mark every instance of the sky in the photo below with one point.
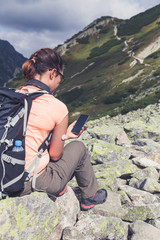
(33, 24)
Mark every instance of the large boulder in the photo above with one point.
(36, 216)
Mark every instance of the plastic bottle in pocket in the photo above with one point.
(17, 146)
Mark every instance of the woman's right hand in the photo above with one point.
(57, 145)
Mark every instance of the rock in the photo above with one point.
(139, 197)
(36, 216)
(134, 213)
(111, 208)
(97, 227)
(142, 129)
(136, 151)
(144, 231)
(105, 132)
(102, 151)
(68, 211)
(145, 162)
(108, 173)
(147, 184)
(125, 200)
(150, 172)
(122, 139)
(155, 223)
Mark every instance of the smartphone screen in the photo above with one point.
(79, 124)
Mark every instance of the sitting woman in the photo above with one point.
(59, 163)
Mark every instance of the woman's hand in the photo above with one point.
(57, 145)
(70, 134)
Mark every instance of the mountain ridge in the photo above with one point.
(10, 61)
(109, 70)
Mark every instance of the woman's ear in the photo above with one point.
(52, 73)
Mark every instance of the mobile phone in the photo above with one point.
(80, 123)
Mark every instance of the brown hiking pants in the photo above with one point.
(74, 162)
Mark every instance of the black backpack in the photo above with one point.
(14, 112)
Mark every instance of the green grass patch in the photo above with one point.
(97, 51)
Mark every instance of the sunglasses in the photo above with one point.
(62, 76)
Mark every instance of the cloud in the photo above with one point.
(31, 24)
(28, 42)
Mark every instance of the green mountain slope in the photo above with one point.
(112, 66)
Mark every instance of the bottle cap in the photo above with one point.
(18, 143)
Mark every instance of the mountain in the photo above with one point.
(10, 61)
(112, 65)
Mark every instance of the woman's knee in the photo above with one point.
(77, 146)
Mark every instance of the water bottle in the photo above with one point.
(17, 146)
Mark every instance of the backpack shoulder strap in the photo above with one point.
(38, 84)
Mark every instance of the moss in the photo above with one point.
(123, 196)
(105, 150)
(153, 187)
(13, 233)
(138, 213)
(46, 227)
(23, 219)
(5, 228)
(116, 226)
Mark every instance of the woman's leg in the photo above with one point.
(75, 161)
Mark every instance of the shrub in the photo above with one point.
(70, 96)
(134, 24)
(84, 40)
(97, 51)
(157, 72)
(115, 98)
(154, 55)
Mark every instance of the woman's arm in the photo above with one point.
(57, 145)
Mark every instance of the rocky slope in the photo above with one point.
(125, 153)
(10, 61)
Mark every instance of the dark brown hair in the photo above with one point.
(41, 61)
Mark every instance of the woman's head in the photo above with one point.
(41, 61)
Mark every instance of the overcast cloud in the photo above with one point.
(32, 24)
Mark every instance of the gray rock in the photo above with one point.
(140, 128)
(145, 162)
(147, 184)
(141, 212)
(105, 132)
(125, 200)
(155, 223)
(111, 208)
(139, 197)
(97, 227)
(144, 231)
(108, 173)
(149, 172)
(35, 216)
(122, 139)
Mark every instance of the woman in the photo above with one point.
(59, 164)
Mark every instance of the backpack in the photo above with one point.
(14, 112)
